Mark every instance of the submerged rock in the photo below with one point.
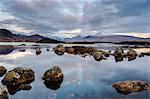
(127, 87)
(2, 71)
(131, 54)
(59, 50)
(3, 92)
(53, 75)
(38, 51)
(18, 76)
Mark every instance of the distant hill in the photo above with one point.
(48, 40)
(7, 36)
(110, 38)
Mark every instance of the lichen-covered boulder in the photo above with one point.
(98, 55)
(127, 87)
(131, 54)
(59, 50)
(53, 75)
(18, 76)
(3, 92)
(2, 71)
(118, 54)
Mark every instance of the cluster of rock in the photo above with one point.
(20, 78)
(83, 51)
(15, 80)
(127, 87)
(144, 54)
(119, 54)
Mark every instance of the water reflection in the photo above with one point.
(83, 77)
(6, 49)
(14, 89)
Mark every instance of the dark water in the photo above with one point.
(84, 78)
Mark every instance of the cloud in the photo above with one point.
(54, 16)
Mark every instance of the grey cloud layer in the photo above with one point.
(51, 16)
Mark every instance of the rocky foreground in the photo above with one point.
(20, 78)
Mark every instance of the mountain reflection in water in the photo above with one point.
(84, 78)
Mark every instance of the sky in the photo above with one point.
(68, 18)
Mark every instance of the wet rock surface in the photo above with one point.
(98, 55)
(2, 71)
(59, 50)
(118, 54)
(127, 87)
(3, 92)
(18, 76)
(131, 54)
(53, 75)
(53, 78)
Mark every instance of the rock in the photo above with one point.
(70, 50)
(127, 87)
(47, 49)
(38, 51)
(131, 54)
(18, 76)
(82, 50)
(53, 78)
(119, 54)
(3, 92)
(98, 55)
(21, 50)
(53, 75)
(145, 54)
(13, 89)
(59, 50)
(107, 54)
(2, 71)
(22, 45)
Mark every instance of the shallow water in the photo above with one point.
(84, 78)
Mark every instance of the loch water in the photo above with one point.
(84, 78)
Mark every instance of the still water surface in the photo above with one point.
(84, 78)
